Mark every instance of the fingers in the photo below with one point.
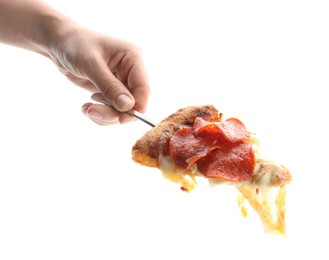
(139, 85)
(132, 72)
(104, 115)
(118, 95)
(114, 68)
(111, 88)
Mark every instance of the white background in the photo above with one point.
(68, 188)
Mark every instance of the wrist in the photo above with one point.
(31, 25)
(55, 27)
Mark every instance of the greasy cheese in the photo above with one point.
(184, 177)
(269, 204)
(263, 191)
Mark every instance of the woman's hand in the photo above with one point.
(100, 63)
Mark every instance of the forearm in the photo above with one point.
(31, 24)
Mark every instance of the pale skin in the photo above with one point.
(93, 61)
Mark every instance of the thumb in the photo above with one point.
(112, 89)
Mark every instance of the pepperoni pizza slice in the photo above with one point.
(195, 142)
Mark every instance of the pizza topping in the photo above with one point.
(231, 130)
(233, 164)
(186, 149)
(220, 149)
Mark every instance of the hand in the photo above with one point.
(96, 62)
(100, 63)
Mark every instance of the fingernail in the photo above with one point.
(94, 115)
(84, 109)
(124, 102)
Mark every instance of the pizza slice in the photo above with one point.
(195, 142)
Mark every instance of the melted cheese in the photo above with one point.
(263, 191)
(185, 178)
(268, 202)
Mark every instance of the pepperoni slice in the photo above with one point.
(220, 149)
(234, 163)
(185, 149)
(232, 129)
